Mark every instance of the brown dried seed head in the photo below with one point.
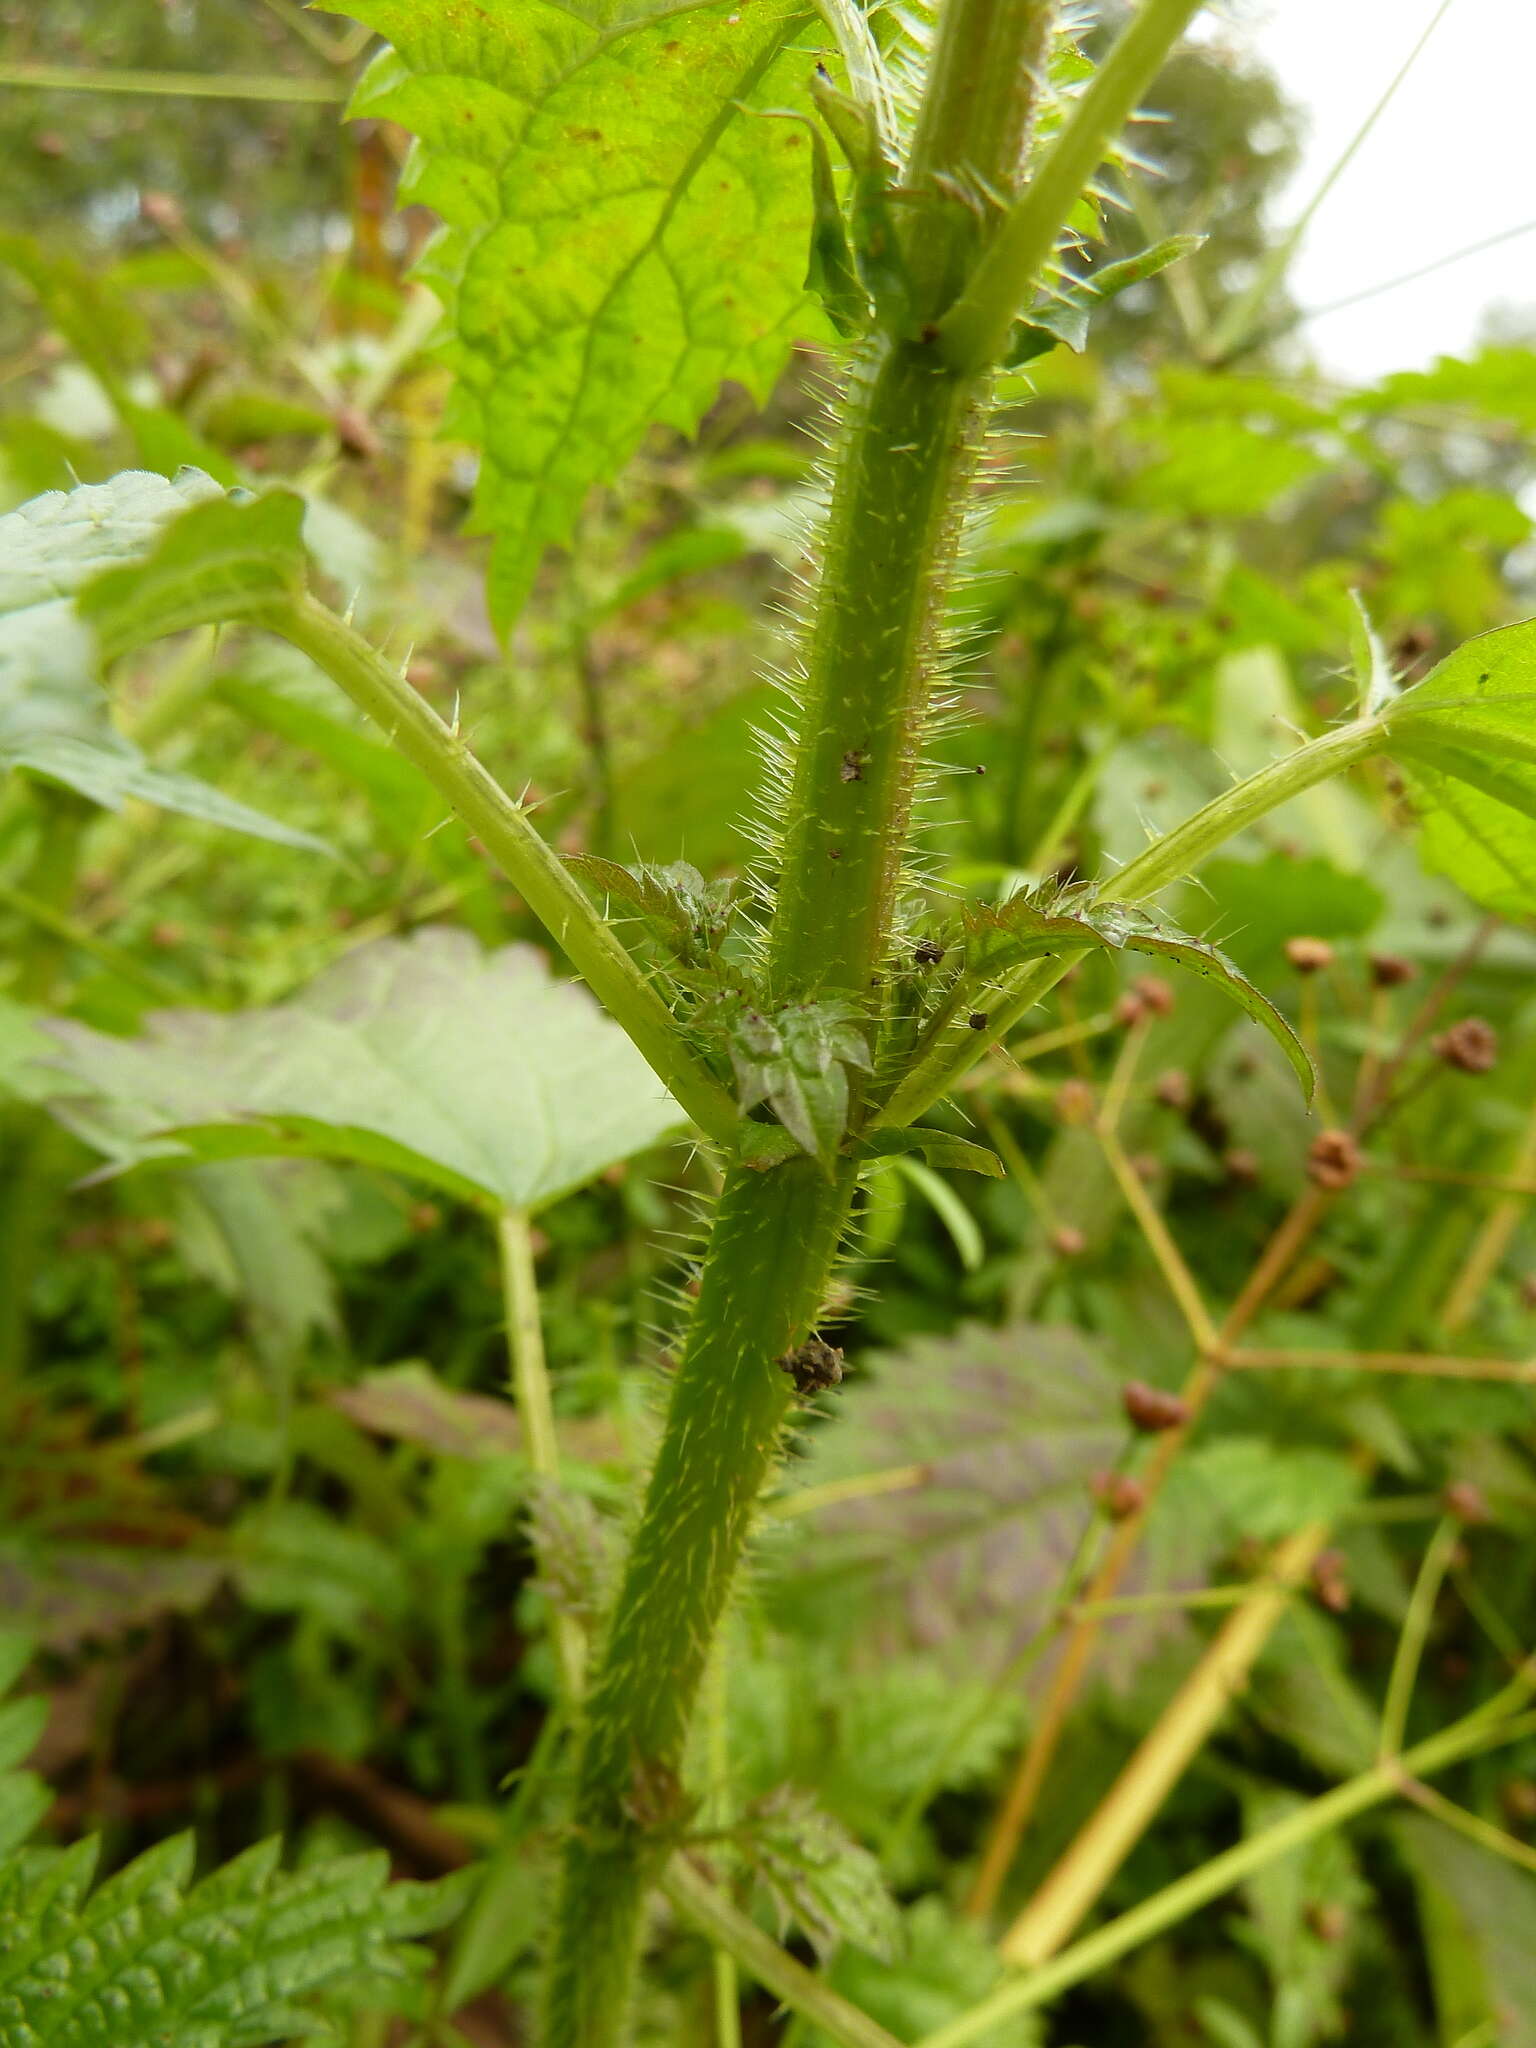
(1151, 1410)
(1130, 1009)
(1472, 1046)
(1391, 970)
(1466, 1502)
(160, 210)
(1155, 994)
(1118, 1494)
(1329, 1582)
(1334, 1160)
(1329, 1921)
(1172, 1089)
(1068, 1242)
(1241, 1164)
(1309, 956)
(1076, 1102)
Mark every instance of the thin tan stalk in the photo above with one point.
(1181, 1731)
(1424, 1365)
(1487, 1250)
(1024, 1788)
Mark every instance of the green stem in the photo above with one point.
(1415, 1630)
(911, 438)
(771, 1249)
(536, 1411)
(975, 331)
(906, 455)
(773, 1967)
(1180, 852)
(551, 891)
(952, 1048)
(1175, 1902)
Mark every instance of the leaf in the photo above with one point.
(948, 1966)
(54, 720)
(1003, 1430)
(796, 1060)
(478, 1072)
(411, 1405)
(151, 1961)
(607, 257)
(1064, 316)
(291, 1557)
(939, 1148)
(1025, 928)
(1477, 1912)
(1303, 1907)
(1465, 738)
(228, 557)
(69, 1594)
(818, 1876)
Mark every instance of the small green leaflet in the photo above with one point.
(939, 1148)
(1064, 315)
(818, 1876)
(1002, 938)
(607, 257)
(75, 591)
(797, 1060)
(1465, 739)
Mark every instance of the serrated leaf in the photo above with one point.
(1465, 739)
(54, 719)
(947, 1967)
(797, 1060)
(1003, 1431)
(999, 939)
(607, 258)
(478, 1072)
(1138, 931)
(818, 1876)
(74, 1593)
(148, 1962)
(1477, 1912)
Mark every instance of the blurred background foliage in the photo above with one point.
(266, 1511)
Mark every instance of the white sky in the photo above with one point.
(1451, 161)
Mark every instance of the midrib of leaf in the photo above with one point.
(530, 491)
(683, 184)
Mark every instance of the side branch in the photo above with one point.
(552, 893)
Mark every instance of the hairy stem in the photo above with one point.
(771, 1249)
(907, 451)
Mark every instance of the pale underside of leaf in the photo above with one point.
(478, 1072)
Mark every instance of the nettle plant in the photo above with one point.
(628, 195)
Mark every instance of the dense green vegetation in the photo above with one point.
(997, 1505)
